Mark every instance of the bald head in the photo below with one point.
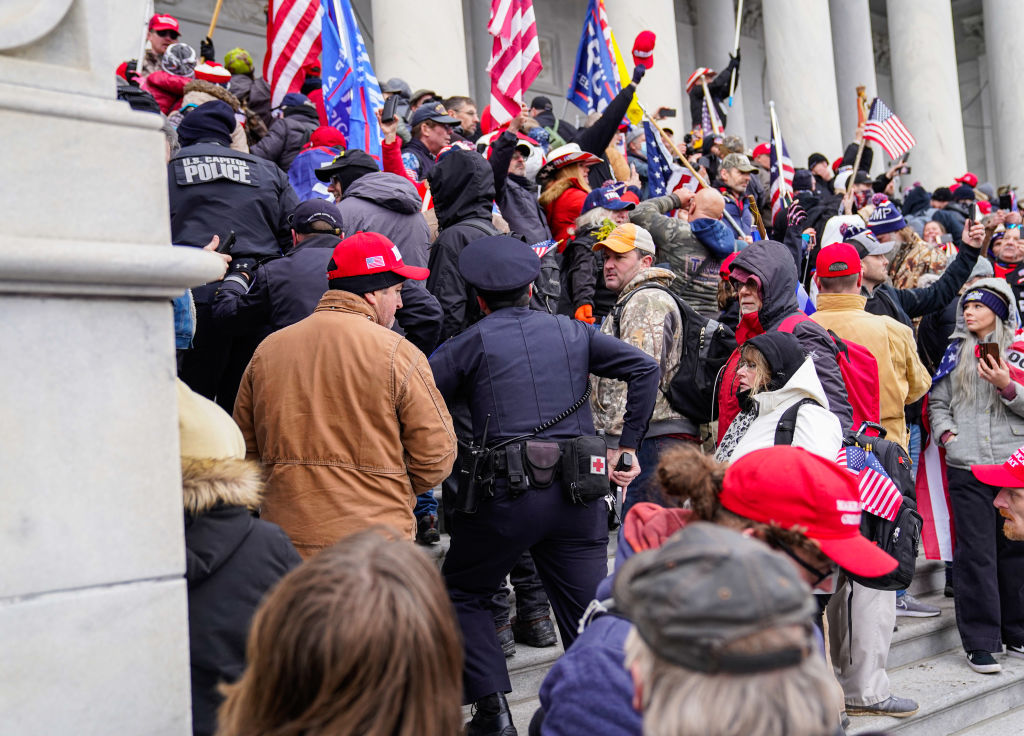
(707, 203)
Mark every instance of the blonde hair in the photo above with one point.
(359, 640)
(971, 393)
(801, 700)
(561, 180)
(762, 371)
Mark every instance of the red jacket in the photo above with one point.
(167, 89)
(562, 214)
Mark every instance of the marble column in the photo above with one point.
(661, 86)
(424, 43)
(93, 603)
(925, 85)
(713, 39)
(1005, 68)
(802, 83)
(854, 59)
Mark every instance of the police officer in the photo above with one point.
(215, 190)
(521, 370)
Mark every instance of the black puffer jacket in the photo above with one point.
(287, 135)
(462, 184)
(583, 282)
(772, 263)
(231, 560)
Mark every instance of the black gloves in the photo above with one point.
(734, 59)
(638, 73)
(241, 271)
(206, 49)
(130, 73)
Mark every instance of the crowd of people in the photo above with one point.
(503, 333)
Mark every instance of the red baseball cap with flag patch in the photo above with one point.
(367, 262)
(1008, 475)
(795, 489)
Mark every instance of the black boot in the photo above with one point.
(491, 717)
(507, 640)
(538, 632)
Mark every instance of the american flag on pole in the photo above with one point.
(932, 488)
(878, 494)
(542, 248)
(293, 39)
(883, 127)
(515, 56)
(781, 177)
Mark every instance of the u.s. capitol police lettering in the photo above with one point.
(204, 169)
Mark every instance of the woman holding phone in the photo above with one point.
(976, 408)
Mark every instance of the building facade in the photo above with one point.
(948, 68)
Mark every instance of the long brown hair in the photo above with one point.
(360, 639)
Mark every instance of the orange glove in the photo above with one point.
(585, 314)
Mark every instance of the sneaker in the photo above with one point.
(1015, 650)
(891, 706)
(983, 662)
(426, 530)
(908, 605)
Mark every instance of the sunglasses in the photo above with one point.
(820, 575)
(173, 35)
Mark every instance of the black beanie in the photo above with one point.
(211, 121)
(814, 159)
(784, 355)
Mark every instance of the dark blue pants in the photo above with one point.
(988, 568)
(645, 486)
(569, 544)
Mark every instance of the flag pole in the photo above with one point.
(696, 175)
(784, 192)
(145, 34)
(856, 166)
(735, 49)
(213, 20)
(716, 126)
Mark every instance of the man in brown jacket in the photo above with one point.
(344, 413)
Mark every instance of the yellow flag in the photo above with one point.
(634, 113)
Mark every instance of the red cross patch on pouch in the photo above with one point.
(597, 465)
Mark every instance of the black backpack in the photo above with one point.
(706, 347)
(901, 537)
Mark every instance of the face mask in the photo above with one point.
(861, 198)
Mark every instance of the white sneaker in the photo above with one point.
(908, 605)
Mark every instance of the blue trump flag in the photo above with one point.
(659, 170)
(351, 92)
(594, 81)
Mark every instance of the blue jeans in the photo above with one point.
(644, 487)
(425, 504)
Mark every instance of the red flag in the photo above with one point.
(293, 40)
(515, 56)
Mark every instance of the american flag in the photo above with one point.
(543, 248)
(887, 130)
(781, 176)
(932, 490)
(293, 40)
(878, 494)
(659, 168)
(515, 56)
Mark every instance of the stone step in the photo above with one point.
(921, 638)
(952, 697)
(1010, 723)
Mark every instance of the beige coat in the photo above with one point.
(346, 419)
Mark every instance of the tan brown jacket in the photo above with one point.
(346, 419)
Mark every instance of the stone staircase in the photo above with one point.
(926, 663)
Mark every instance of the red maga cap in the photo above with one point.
(969, 179)
(838, 259)
(761, 149)
(1008, 475)
(161, 22)
(791, 487)
(367, 254)
(643, 49)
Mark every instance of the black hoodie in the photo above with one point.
(462, 185)
(772, 263)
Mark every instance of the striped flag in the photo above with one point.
(878, 494)
(293, 40)
(781, 177)
(933, 502)
(887, 130)
(659, 166)
(352, 95)
(543, 248)
(515, 56)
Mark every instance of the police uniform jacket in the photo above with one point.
(286, 290)
(214, 190)
(524, 367)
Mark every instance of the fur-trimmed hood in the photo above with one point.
(207, 482)
(212, 91)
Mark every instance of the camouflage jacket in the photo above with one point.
(695, 267)
(915, 260)
(649, 320)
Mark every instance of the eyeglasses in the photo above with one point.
(167, 33)
(747, 364)
(820, 575)
(749, 284)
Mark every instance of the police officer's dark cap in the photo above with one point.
(706, 588)
(357, 163)
(211, 121)
(432, 111)
(311, 211)
(499, 263)
(540, 102)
